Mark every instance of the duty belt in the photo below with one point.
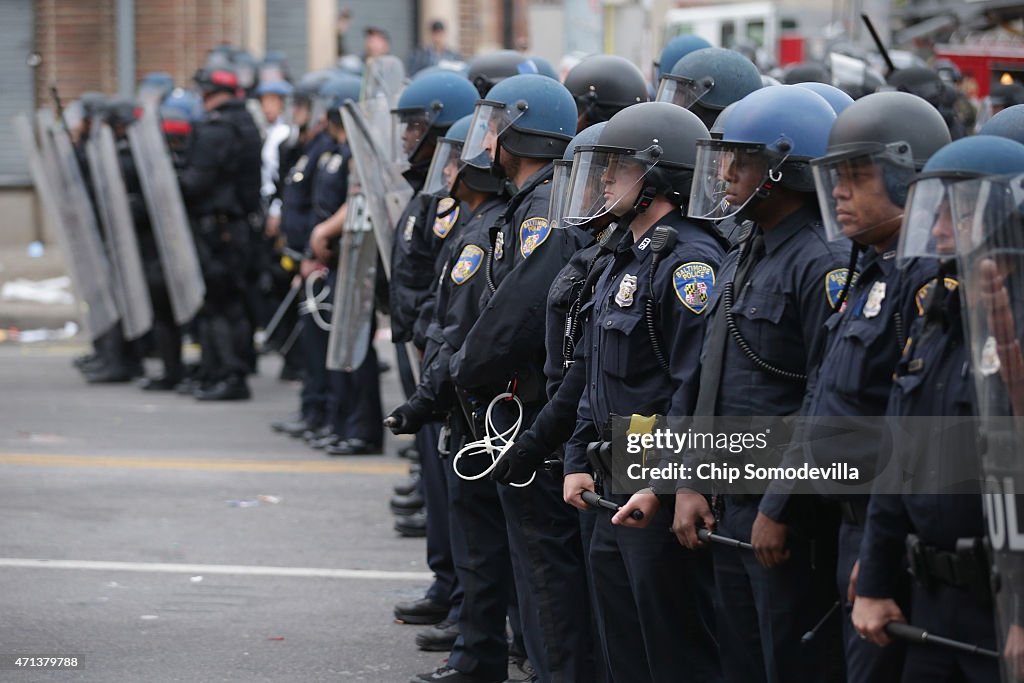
(967, 567)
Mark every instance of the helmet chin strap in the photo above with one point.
(642, 203)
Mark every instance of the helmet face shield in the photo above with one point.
(682, 91)
(411, 128)
(862, 189)
(606, 180)
(444, 167)
(490, 120)
(727, 175)
(559, 188)
(938, 210)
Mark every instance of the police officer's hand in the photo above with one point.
(769, 540)
(870, 615)
(273, 226)
(404, 419)
(517, 466)
(851, 589)
(308, 267)
(692, 513)
(319, 242)
(573, 486)
(1013, 653)
(645, 501)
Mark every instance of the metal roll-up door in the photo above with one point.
(287, 31)
(17, 30)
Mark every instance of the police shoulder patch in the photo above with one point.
(694, 282)
(922, 294)
(469, 262)
(445, 217)
(532, 233)
(835, 281)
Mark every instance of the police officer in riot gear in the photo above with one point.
(641, 351)
(706, 81)
(874, 148)
(602, 85)
(490, 68)
(951, 590)
(220, 185)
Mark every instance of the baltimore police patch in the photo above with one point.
(467, 265)
(921, 298)
(693, 282)
(532, 233)
(835, 280)
(446, 217)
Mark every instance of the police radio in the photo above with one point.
(662, 242)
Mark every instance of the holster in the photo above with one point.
(968, 567)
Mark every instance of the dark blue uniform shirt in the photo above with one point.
(623, 376)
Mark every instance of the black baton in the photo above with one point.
(709, 537)
(596, 501)
(915, 634)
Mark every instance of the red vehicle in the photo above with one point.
(985, 64)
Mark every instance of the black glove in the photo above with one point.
(406, 418)
(517, 465)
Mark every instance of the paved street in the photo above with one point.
(160, 539)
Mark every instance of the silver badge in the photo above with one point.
(875, 297)
(409, 225)
(627, 287)
(989, 364)
(499, 246)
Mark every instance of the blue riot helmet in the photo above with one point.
(645, 151)
(674, 50)
(707, 81)
(603, 85)
(768, 140)
(885, 136)
(544, 67)
(942, 198)
(530, 116)
(836, 98)
(273, 67)
(336, 91)
(280, 88)
(185, 102)
(490, 68)
(427, 107)
(153, 88)
(563, 170)
(448, 169)
(1009, 123)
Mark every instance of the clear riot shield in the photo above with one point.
(991, 260)
(352, 316)
(175, 244)
(130, 289)
(55, 171)
(387, 192)
(382, 86)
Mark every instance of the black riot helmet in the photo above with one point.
(490, 68)
(604, 84)
(894, 132)
(644, 151)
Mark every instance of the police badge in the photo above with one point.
(499, 246)
(876, 296)
(409, 225)
(624, 297)
(990, 363)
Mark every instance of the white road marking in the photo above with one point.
(229, 569)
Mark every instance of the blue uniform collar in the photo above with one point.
(641, 248)
(790, 225)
